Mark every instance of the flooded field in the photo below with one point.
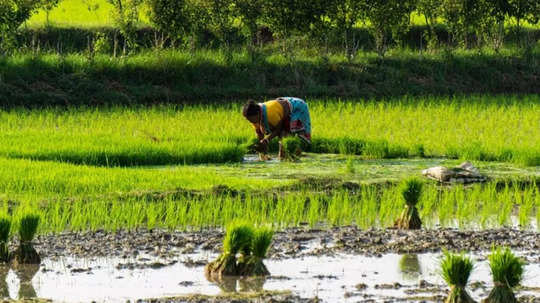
(337, 278)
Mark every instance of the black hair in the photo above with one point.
(250, 109)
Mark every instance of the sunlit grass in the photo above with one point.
(370, 207)
(472, 128)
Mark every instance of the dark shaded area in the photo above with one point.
(42, 81)
(76, 39)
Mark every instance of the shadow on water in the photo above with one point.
(409, 267)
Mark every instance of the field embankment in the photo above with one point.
(187, 77)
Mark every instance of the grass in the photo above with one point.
(456, 270)
(507, 272)
(195, 76)
(495, 128)
(369, 207)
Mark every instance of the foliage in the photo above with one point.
(288, 17)
(12, 14)
(467, 20)
(171, 17)
(126, 16)
(389, 19)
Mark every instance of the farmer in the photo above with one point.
(279, 118)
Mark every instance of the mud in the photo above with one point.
(289, 243)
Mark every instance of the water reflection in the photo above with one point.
(26, 273)
(4, 288)
(409, 267)
(238, 284)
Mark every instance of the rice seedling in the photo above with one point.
(507, 272)
(411, 189)
(5, 227)
(26, 253)
(349, 166)
(122, 136)
(238, 239)
(292, 147)
(253, 264)
(456, 270)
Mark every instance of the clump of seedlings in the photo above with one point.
(291, 148)
(244, 248)
(507, 271)
(237, 240)
(5, 227)
(26, 253)
(254, 266)
(410, 189)
(456, 270)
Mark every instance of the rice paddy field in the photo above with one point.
(148, 193)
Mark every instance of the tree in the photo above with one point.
(466, 19)
(343, 15)
(171, 17)
(389, 19)
(12, 14)
(249, 12)
(126, 16)
(48, 6)
(287, 17)
(430, 9)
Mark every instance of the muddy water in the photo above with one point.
(339, 278)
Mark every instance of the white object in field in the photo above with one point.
(464, 173)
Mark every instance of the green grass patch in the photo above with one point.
(473, 128)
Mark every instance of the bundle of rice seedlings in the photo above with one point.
(254, 266)
(261, 149)
(411, 189)
(26, 253)
(456, 270)
(5, 226)
(292, 148)
(237, 238)
(507, 271)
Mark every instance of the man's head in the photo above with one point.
(251, 111)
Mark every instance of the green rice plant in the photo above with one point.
(349, 166)
(238, 238)
(26, 253)
(5, 228)
(292, 147)
(456, 270)
(260, 243)
(507, 272)
(410, 189)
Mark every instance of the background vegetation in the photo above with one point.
(163, 51)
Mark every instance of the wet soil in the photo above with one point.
(289, 243)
